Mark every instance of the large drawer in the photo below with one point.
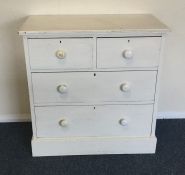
(108, 120)
(93, 87)
(138, 52)
(63, 53)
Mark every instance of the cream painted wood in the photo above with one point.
(62, 53)
(93, 145)
(50, 24)
(30, 89)
(157, 87)
(94, 86)
(97, 103)
(128, 52)
(108, 103)
(94, 121)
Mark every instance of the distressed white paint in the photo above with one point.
(78, 53)
(91, 23)
(144, 52)
(93, 86)
(100, 145)
(94, 121)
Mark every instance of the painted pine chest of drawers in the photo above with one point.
(93, 82)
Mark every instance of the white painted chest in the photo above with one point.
(93, 82)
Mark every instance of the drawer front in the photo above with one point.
(128, 52)
(108, 120)
(94, 87)
(64, 53)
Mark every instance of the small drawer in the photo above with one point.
(63, 53)
(140, 52)
(108, 120)
(96, 87)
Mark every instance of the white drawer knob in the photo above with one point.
(60, 54)
(125, 87)
(63, 123)
(62, 88)
(123, 122)
(128, 54)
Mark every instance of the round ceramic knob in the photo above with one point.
(125, 87)
(63, 123)
(62, 88)
(123, 122)
(60, 54)
(128, 54)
